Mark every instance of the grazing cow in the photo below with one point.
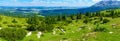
(114, 25)
(29, 33)
(110, 32)
(0, 28)
(62, 29)
(54, 32)
(39, 34)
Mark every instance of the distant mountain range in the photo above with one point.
(102, 5)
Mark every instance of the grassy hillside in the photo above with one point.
(103, 27)
(5, 21)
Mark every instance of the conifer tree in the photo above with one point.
(79, 16)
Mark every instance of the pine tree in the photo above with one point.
(33, 23)
(14, 21)
(73, 17)
(98, 14)
(79, 16)
(64, 17)
(86, 20)
(113, 14)
(88, 14)
(59, 18)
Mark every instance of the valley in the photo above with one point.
(46, 20)
(99, 26)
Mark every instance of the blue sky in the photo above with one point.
(76, 3)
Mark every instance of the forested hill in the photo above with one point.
(25, 11)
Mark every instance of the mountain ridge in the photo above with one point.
(102, 5)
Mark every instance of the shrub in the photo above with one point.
(96, 22)
(69, 21)
(100, 29)
(31, 28)
(85, 21)
(95, 18)
(61, 33)
(14, 21)
(18, 25)
(64, 38)
(11, 34)
(14, 25)
(45, 27)
(11, 25)
(5, 22)
(90, 19)
(101, 18)
(105, 21)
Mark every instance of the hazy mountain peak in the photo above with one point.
(109, 0)
(108, 3)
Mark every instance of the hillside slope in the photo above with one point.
(88, 28)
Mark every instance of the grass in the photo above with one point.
(8, 21)
(77, 35)
(72, 30)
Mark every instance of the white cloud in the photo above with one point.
(96, 0)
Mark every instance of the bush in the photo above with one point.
(18, 25)
(31, 28)
(69, 21)
(11, 34)
(14, 21)
(61, 33)
(14, 25)
(64, 38)
(105, 21)
(85, 21)
(101, 18)
(100, 29)
(45, 27)
(95, 18)
(11, 25)
(5, 22)
(96, 22)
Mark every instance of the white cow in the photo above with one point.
(110, 32)
(63, 30)
(0, 28)
(39, 34)
(29, 33)
(54, 32)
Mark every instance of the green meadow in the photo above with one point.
(97, 26)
